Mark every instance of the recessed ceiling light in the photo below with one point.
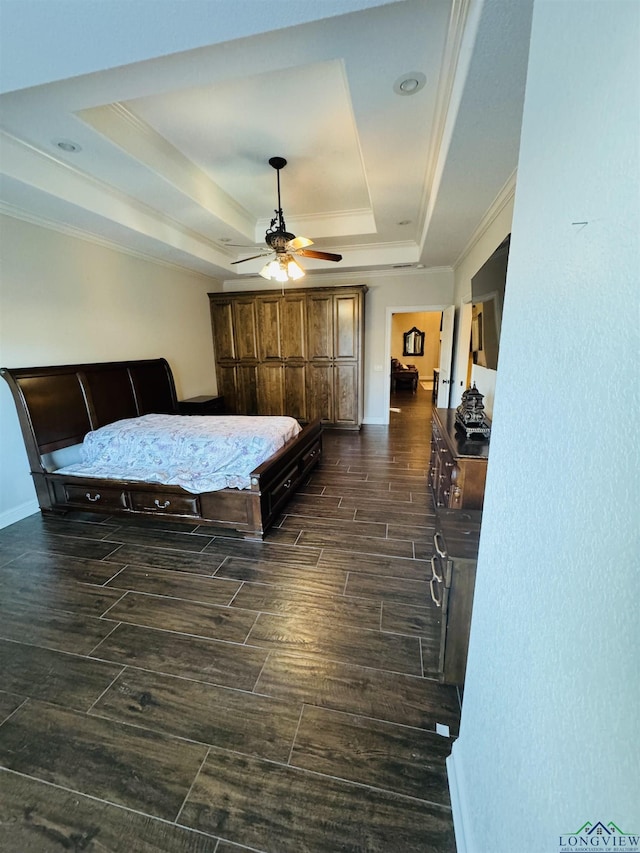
(67, 145)
(409, 83)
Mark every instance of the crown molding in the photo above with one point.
(14, 212)
(447, 80)
(256, 282)
(122, 127)
(504, 197)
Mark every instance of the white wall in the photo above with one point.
(549, 735)
(66, 300)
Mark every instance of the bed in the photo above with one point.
(59, 406)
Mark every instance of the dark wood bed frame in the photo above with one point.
(58, 406)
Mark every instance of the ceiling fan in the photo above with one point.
(285, 244)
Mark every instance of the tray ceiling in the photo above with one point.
(173, 149)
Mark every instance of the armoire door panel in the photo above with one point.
(271, 389)
(320, 326)
(244, 326)
(222, 323)
(269, 331)
(295, 391)
(227, 387)
(346, 327)
(293, 327)
(345, 394)
(247, 385)
(320, 391)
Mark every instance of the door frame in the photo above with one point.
(460, 359)
(390, 310)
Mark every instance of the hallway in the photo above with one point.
(171, 689)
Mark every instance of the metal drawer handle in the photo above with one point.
(161, 506)
(89, 498)
(440, 551)
(287, 485)
(434, 573)
(436, 601)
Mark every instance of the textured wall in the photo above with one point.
(549, 736)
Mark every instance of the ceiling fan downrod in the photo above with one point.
(277, 235)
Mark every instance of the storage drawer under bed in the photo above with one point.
(92, 496)
(312, 455)
(159, 502)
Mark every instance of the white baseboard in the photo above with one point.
(380, 421)
(17, 513)
(458, 802)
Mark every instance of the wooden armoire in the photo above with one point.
(296, 352)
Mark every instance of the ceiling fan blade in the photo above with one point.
(298, 243)
(253, 257)
(323, 256)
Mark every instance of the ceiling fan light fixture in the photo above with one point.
(282, 268)
(294, 270)
(284, 244)
(270, 270)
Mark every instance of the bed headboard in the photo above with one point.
(57, 406)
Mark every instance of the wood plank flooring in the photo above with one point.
(175, 688)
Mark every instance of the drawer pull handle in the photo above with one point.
(440, 551)
(161, 506)
(437, 601)
(434, 573)
(287, 484)
(93, 500)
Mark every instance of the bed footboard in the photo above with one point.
(253, 511)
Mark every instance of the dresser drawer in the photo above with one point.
(457, 466)
(160, 502)
(94, 496)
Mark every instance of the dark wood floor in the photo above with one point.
(176, 690)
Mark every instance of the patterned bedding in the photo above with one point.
(201, 453)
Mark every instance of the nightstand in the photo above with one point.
(202, 405)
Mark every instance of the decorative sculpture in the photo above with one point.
(470, 417)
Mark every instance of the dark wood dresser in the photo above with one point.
(458, 466)
(453, 577)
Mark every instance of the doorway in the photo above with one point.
(401, 320)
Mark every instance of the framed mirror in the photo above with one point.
(413, 342)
